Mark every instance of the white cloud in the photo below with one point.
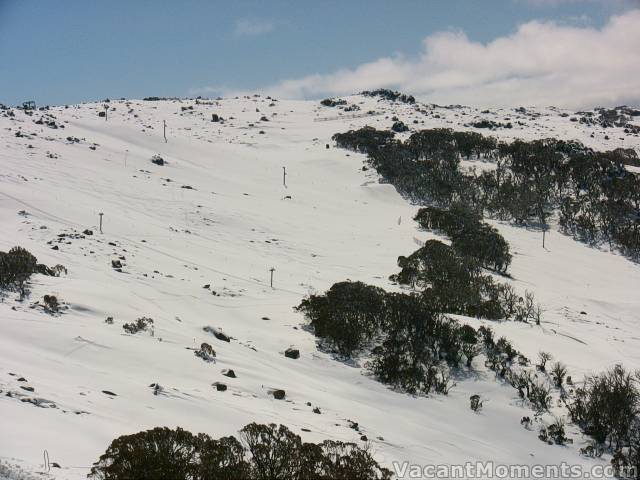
(253, 27)
(541, 63)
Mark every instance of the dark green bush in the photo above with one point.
(412, 342)
(330, 102)
(607, 405)
(469, 235)
(455, 282)
(140, 325)
(158, 454)
(390, 95)
(347, 315)
(267, 452)
(16, 267)
(595, 196)
(363, 140)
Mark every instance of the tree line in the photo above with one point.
(594, 196)
(263, 452)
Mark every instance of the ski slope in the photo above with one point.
(218, 214)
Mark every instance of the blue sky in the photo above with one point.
(70, 51)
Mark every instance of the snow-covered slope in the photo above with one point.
(217, 213)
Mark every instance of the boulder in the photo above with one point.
(217, 333)
(206, 352)
(292, 353)
(399, 127)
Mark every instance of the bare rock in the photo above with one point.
(292, 353)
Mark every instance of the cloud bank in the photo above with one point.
(541, 63)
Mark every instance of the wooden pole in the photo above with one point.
(272, 270)
(284, 176)
(164, 124)
(101, 214)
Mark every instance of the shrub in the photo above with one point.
(592, 191)
(607, 405)
(363, 140)
(539, 396)
(275, 450)
(347, 315)
(626, 460)
(543, 358)
(527, 310)
(161, 454)
(470, 346)
(267, 452)
(556, 432)
(521, 381)
(455, 281)
(222, 459)
(347, 461)
(469, 235)
(390, 95)
(330, 102)
(486, 245)
(140, 325)
(399, 127)
(16, 266)
(413, 338)
(411, 349)
(442, 381)
(558, 372)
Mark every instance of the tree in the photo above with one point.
(16, 267)
(558, 372)
(275, 451)
(543, 358)
(410, 349)
(222, 459)
(267, 452)
(160, 453)
(470, 346)
(347, 315)
(627, 460)
(606, 405)
(347, 461)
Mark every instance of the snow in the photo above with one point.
(228, 231)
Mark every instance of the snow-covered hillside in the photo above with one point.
(217, 214)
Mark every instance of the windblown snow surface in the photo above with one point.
(217, 213)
